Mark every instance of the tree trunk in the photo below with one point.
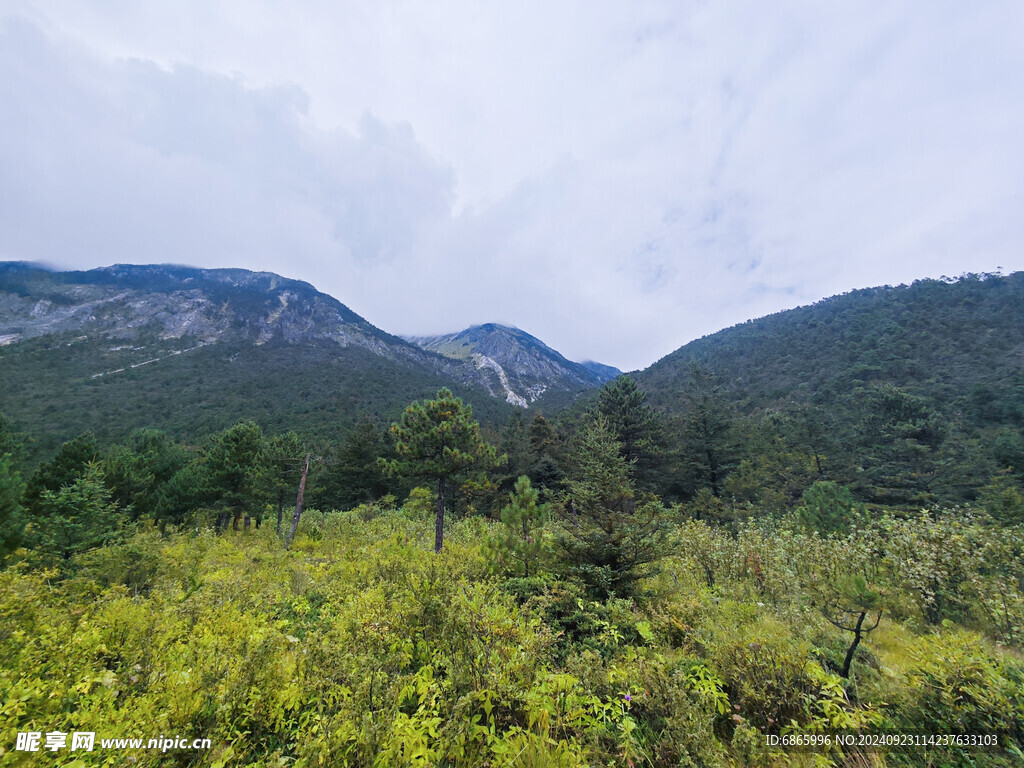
(298, 504)
(439, 520)
(853, 645)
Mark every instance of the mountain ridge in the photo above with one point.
(84, 349)
(953, 341)
(526, 367)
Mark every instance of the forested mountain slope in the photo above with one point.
(959, 343)
(911, 395)
(193, 350)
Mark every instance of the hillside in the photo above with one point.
(518, 366)
(959, 343)
(910, 396)
(193, 350)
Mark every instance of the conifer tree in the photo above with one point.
(635, 425)
(901, 438)
(610, 538)
(11, 520)
(138, 470)
(710, 445)
(232, 464)
(279, 471)
(547, 455)
(830, 508)
(12, 443)
(76, 517)
(439, 440)
(357, 465)
(63, 469)
(521, 539)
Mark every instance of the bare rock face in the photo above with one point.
(125, 302)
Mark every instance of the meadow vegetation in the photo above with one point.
(571, 616)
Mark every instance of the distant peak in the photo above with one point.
(492, 327)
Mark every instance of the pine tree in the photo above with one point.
(514, 443)
(439, 440)
(137, 471)
(547, 455)
(279, 471)
(830, 508)
(610, 539)
(232, 463)
(11, 520)
(636, 426)
(12, 443)
(63, 469)
(76, 517)
(901, 436)
(521, 542)
(710, 446)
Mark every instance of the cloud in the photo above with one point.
(126, 160)
(615, 179)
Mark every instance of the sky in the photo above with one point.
(616, 178)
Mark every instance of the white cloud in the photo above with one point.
(615, 178)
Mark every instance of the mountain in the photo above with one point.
(959, 343)
(192, 350)
(604, 373)
(516, 365)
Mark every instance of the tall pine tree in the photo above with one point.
(439, 440)
(636, 427)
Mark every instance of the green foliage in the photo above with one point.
(710, 445)
(547, 455)
(320, 390)
(12, 443)
(357, 476)
(76, 518)
(520, 548)
(439, 440)
(362, 647)
(827, 507)
(11, 520)
(636, 427)
(421, 504)
(909, 395)
(1003, 498)
(277, 472)
(609, 538)
(63, 469)
(138, 470)
(954, 685)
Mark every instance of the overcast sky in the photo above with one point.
(616, 178)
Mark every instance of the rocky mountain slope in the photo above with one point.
(190, 350)
(515, 364)
(206, 306)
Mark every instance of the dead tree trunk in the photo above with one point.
(298, 504)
